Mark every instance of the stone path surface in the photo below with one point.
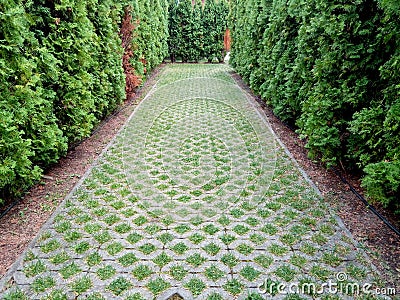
(194, 197)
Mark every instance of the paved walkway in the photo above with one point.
(195, 197)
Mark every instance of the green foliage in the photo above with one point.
(196, 30)
(330, 69)
(61, 74)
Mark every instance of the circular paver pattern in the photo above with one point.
(194, 198)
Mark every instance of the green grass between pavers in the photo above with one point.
(193, 182)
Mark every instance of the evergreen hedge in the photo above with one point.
(196, 30)
(329, 68)
(61, 74)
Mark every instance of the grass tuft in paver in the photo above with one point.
(129, 212)
(307, 221)
(133, 238)
(50, 246)
(147, 248)
(319, 238)
(142, 272)
(237, 213)
(299, 230)
(356, 272)
(213, 273)
(122, 228)
(331, 259)
(212, 249)
(114, 248)
(196, 238)
(230, 260)
(34, 268)
(289, 239)
(277, 250)
(233, 287)
(100, 212)
(308, 249)
(273, 206)
(197, 220)
(162, 260)
(263, 213)
(111, 219)
(119, 285)
(165, 238)
(135, 296)
(285, 272)
(81, 285)
(178, 272)
(320, 272)
(196, 260)
(180, 248)
(241, 229)
(16, 295)
(83, 218)
(269, 229)
(58, 295)
(81, 247)
(158, 285)
(30, 256)
(70, 270)
(59, 258)
(298, 260)
(182, 228)
(227, 238)
(253, 296)
(244, 249)
(127, 259)
(257, 239)
(72, 236)
(195, 286)
(63, 226)
(106, 272)
(41, 284)
(139, 221)
(250, 273)
(152, 229)
(92, 228)
(93, 259)
(95, 296)
(118, 205)
(103, 237)
(264, 261)
(210, 229)
(224, 221)
(215, 296)
(252, 221)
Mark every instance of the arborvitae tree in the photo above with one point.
(108, 78)
(196, 29)
(330, 68)
(217, 31)
(29, 135)
(61, 73)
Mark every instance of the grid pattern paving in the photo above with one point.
(194, 197)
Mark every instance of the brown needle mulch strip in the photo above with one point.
(21, 224)
(24, 220)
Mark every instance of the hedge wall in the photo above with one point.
(329, 68)
(196, 30)
(61, 73)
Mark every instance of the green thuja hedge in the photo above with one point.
(330, 69)
(61, 74)
(196, 30)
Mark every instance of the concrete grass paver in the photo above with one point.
(195, 196)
